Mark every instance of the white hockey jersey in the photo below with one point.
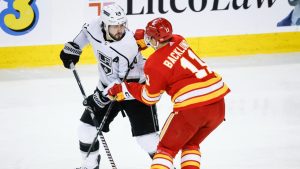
(113, 58)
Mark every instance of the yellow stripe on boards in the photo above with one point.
(237, 45)
(233, 45)
(38, 56)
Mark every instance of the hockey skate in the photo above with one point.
(97, 167)
(87, 168)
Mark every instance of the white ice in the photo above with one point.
(40, 109)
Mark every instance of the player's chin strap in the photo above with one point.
(94, 121)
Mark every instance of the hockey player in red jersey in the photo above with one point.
(196, 91)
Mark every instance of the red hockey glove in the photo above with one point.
(119, 92)
(139, 37)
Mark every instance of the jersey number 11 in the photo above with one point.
(199, 72)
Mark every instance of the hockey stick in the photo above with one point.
(109, 109)
(94, 121)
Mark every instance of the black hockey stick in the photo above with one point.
(94, 121)
(109, 109)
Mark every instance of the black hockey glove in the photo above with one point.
(70, 53)
(96, 101)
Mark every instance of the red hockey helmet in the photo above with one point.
(160, 29)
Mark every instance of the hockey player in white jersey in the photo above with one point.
(115, 49)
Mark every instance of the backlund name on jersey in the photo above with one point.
(176, 54)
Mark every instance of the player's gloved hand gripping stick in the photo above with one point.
(109, 108)
(99, 129)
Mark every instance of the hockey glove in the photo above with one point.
(96, 101)
(70, 53)
(119, 92)
(139, 37)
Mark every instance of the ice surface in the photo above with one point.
(40, 109)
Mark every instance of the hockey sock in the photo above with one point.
(190, 159)
(86, 134)
(93, 159)
(162, 161)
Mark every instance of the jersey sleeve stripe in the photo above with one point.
(155, 94)
(150, 98)
(148, 102)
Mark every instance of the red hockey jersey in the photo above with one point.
(177, 70)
